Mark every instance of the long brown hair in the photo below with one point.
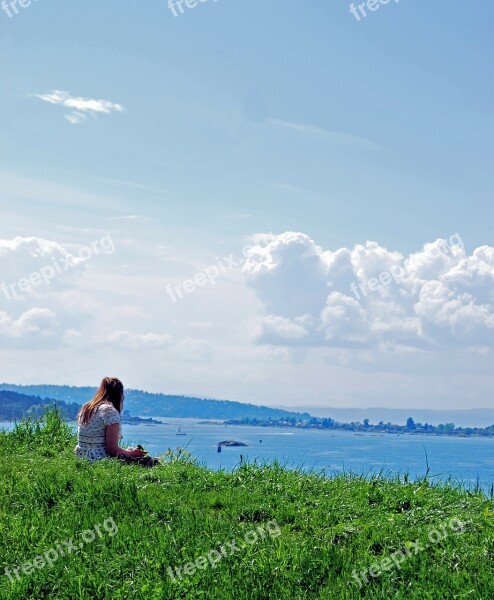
(111, 390)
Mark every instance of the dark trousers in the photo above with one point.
(145, 461)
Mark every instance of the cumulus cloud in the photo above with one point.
(186, 350)
(45, 264)
(34, 325)
(42, 295)
(133, 341)
(80, 108)
(289, 273)
(275, 326)
(369, 296)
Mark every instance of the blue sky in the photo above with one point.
(242, 119)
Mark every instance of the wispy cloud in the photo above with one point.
(80, 108)
(136, 218)
(237, 216)
(76, 117)
(337, 137)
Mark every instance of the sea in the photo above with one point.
(465, 461)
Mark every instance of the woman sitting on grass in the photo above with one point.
(98, 429)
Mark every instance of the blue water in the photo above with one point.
(466, 460)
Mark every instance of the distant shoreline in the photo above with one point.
(126, 420)
(448, 430)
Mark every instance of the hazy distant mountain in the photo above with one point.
(476, 417)
(33, 398)
(160, 405)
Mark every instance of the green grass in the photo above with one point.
(179, 511)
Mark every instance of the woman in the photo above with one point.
(99, 425)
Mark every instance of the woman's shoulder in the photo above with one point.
(108, 413)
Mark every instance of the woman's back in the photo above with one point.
(91, 437)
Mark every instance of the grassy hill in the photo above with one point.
(259, 532)
(160, 405)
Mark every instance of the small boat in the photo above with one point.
(179, 431)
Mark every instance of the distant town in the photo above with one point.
(365, 427)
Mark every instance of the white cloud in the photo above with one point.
(75, 117)
(80, 108)
(438, 296)
(34, 322)
(187, 349)
(132, 341)
(289, 273)
(43, 294)
(34, 325)
(315, 340)
(344, 321)
(276, 329)
(28, 257)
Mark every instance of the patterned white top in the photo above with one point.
(91, 443)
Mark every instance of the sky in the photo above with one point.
(285, 203)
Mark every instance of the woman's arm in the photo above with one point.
(111, 433)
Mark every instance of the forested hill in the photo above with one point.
(159, 405)
(14, 406)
